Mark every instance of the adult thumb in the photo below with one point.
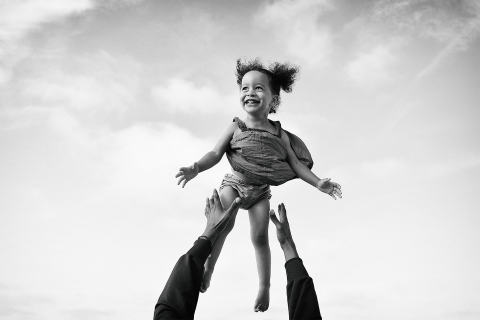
(234, 206)
(274, 218)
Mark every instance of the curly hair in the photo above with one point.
(280, 76)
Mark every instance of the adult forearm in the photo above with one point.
(208, 160)
(289, 250)
(301, 295)
(180, 295)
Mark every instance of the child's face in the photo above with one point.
(255, 93)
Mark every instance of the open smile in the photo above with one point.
(251, 101)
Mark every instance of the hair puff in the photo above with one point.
(280, 76)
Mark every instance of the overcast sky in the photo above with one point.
(102, 101)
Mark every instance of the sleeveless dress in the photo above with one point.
(262, 156)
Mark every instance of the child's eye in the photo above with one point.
(258, 87)
(244, 89)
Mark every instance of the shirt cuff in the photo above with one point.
(295, 269)
(201, 249)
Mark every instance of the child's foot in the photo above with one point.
(207, 276)
(263, 299)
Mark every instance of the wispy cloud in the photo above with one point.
(89, 314)
(383, 168)
(101, 87)
(18, 18)
(101, 82)
(183, 96)
(373, 67)
(458, 42)
(442, 169)
(15, 303)
(455, 24)
(296, 25)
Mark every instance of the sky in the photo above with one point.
(102, 101)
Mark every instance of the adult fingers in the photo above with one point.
(282, 212)
(207, 207)
(216, 199)
(234, 206)
(274, 219)
(210, 200)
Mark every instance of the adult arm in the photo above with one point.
(301, 295)
(210, 159)
(179, 298)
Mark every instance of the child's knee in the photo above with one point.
(260, 239)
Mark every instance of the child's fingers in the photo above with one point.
(181, 172)
(184, 183)
(180, 179)
(337, 192)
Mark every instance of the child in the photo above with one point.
(261, 154)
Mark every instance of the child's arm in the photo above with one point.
(303, 172)
(210, 159)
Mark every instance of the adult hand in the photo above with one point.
(217, 217)
(329, 187)
(284, 234)
(186, 174)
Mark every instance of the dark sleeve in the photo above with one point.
(180, 295)
(301, 296)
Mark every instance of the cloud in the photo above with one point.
(453, 23)
(383, 168)
(448, 168)
(18, 18)
(461, 315)
(182, 96)
(296, 26)
(15, 303)
(100, 81)
(98, 89)
(458, 42)
(372, 68)
(441, 20)
(89, 314)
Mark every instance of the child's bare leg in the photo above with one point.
(227, 196)
(259, 219)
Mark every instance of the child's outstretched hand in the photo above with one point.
(329, 187)
(186, 174)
